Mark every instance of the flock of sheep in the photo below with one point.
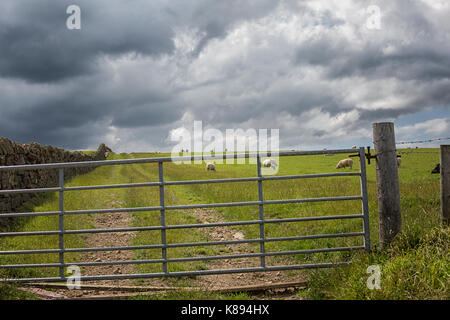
(344, 163)
(270, 163)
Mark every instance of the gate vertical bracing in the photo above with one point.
(163, 209)
(365, 199)
(261, 212)
(61, 221)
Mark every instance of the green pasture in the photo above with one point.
(419, 201)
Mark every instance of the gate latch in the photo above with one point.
(368, 155)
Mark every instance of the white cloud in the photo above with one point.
(435, 128)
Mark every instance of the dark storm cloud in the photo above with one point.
(60, 117)
(84, 109)
(340, 58)
(214, 18)
(149, 114)
(52, 129)
(290, 99)
(37, 46)
(138, 69)
(422, 63)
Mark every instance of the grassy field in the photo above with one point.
(416, 267)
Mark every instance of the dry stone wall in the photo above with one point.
(13, 153)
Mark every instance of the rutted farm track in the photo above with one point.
(233, 280)
(134, 197)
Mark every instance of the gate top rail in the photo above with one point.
(223, 156)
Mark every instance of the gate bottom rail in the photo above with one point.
(183, 273)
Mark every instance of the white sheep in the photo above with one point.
(345, 163)
(210, 166)
(270, 163)
(399, 161)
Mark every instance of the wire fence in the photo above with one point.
(413, 151)
(416, 151)
(422, 141)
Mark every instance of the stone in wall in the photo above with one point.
(13, 153)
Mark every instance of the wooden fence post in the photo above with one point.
(445, 184)
(389, 214)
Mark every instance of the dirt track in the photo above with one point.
(236, 279)
(207, 282)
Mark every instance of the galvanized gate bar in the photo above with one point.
(186, 273)
(261, 212)
(365, 202)
(184, 182)
(163, 227)
(189, 244)
(61, 222)
(163, 217)
(180, 226)
(34, 190)
(180, 207)
(235, 256)
(165, 159)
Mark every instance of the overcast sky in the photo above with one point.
(137, 71)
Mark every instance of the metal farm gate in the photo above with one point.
(162, 208)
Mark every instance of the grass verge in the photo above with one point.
(412, 268)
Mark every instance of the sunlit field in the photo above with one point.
(419, 201)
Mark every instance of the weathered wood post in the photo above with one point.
(445, 184)
(389, 214)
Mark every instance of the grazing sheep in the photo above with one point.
(210, 166)
(345, 163)
(437, 169)
(270, 163)
(399, 161)
(353, 147)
